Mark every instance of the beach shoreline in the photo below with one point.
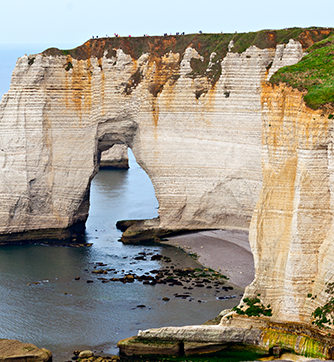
(226, 251)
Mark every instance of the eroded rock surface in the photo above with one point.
(199, 142)
(290, 233)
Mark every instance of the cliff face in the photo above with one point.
(198, 140)
(291, 227)
(220, 145)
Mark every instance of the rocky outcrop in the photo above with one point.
(11, 350)
(260, 337)
(115, 158)
(290, 235)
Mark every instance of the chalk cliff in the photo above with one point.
(291, 236)
(220, 145)
(197, 135)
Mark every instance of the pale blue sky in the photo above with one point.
(68, 23)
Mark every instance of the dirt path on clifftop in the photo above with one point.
(227, 251)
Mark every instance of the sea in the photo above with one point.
(48, 293)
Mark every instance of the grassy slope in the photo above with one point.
(314, 73)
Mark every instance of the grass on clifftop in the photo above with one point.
(205, 44)
(314, 73)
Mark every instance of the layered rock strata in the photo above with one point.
(290, 233)
(199, 142)
(260, 337)
(291, 237)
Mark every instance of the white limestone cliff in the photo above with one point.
(218, 154)
(200, 144)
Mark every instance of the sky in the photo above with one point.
(69, 23)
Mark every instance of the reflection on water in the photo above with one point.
(63, 314)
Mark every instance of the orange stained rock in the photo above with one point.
(292, 214)
(271, 37)
(161, 69)
(78, 87)
(102, 99)
(161, 44)
(288, 122)
(309, 37)
(274, 212)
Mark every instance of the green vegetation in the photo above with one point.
(324, 316)
(314, 74)
(296, 342)
(254, 308)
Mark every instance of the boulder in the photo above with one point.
(13, 350)
(86, 354)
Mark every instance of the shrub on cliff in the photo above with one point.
(253, 308)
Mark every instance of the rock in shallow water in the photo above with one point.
(86, 354)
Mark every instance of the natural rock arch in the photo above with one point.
(202, 152)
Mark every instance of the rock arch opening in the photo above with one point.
(118, 193)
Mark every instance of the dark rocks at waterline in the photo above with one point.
(225, 297)
(183, 296)
(187, 278)
(156, 257)
(226, 289)
(99, 271)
